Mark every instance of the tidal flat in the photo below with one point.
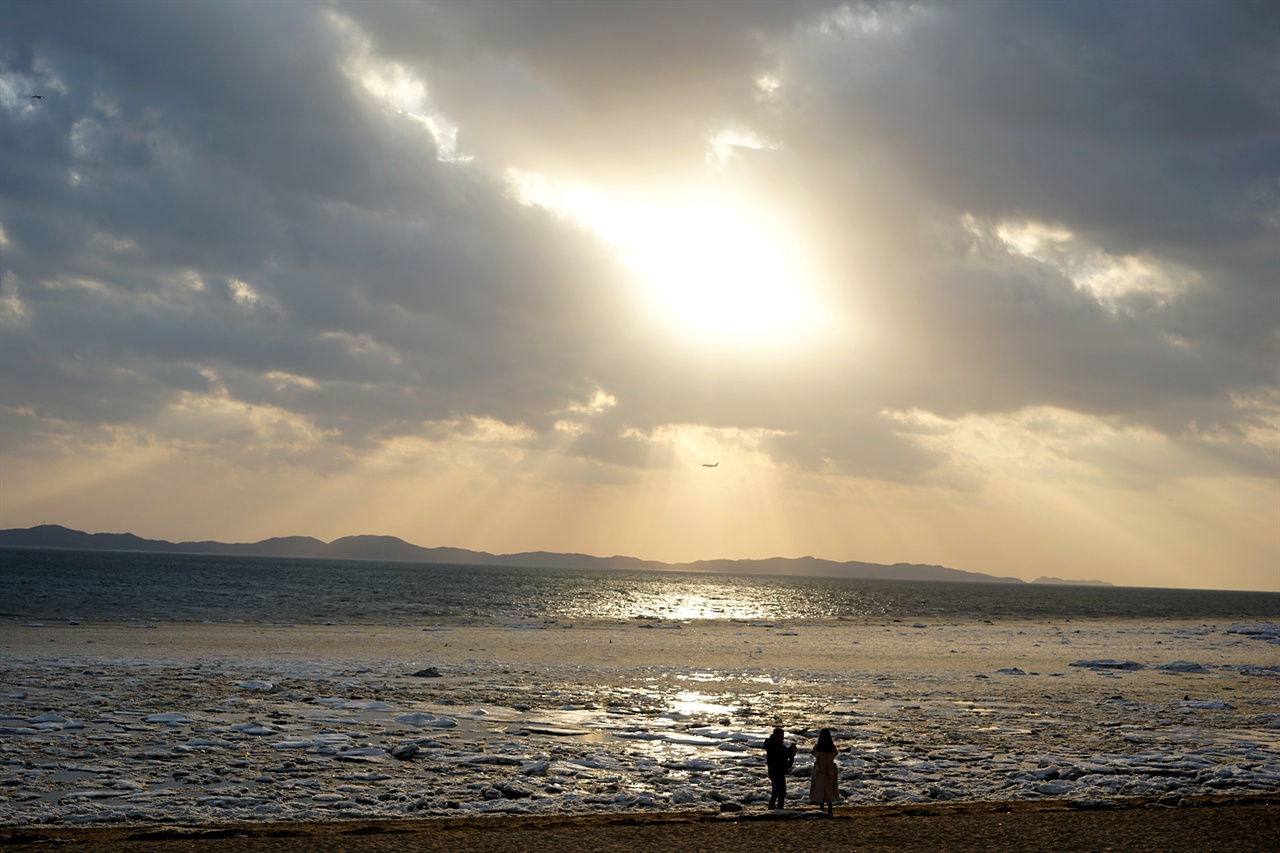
(221, 722)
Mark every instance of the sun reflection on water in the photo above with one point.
(682, 607)
(689, 703)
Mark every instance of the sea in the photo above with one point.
(180, 689)
(116, 585)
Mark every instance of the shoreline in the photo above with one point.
(204, 724)
(1242, 823)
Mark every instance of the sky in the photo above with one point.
(988, 285)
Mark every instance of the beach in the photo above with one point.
(1239, 826)
(110, 726)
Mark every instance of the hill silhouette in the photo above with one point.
(394, 549)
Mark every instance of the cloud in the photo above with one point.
(402, 288)
(914, 135)
(298, 223)
(570, 86)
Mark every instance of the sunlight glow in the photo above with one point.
(718, 272)
(725, 144)
(397, 87)
(713, 270)
(690, 702)
(1107, 278)
(599, 402)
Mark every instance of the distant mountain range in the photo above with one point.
(390, 548)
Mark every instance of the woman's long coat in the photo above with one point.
(823, 785)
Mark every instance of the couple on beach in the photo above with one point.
(780, 756)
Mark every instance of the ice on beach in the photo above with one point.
(1207, 705)
(314, 741)
(1266, 631)
(371, 754)
(1182, 666)
(255, 684)
(545, 729)
(427, 720)
(169, 717)
(96, 738)
(688, 739)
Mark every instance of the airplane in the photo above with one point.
(710, 464)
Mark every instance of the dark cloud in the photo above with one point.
(1142, 129)
(234, 150)
(1140, 125)
(208, 200)
(584, 86)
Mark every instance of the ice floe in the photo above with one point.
(96, 738)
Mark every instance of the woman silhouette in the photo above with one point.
(824, 790)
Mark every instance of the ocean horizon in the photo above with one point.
(115, 585)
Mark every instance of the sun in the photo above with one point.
(718, 272)
(709, 268)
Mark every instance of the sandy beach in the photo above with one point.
(638, 734)
(1239, 826)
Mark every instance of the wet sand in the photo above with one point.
(1248, 825)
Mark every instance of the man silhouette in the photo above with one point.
(779, 757)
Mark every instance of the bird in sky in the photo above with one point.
(710, 464)
(38, 97)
